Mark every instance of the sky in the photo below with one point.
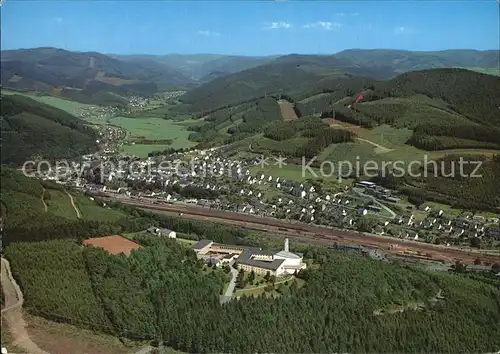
(248, 27)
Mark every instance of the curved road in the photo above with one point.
(230, 289)
(12, 313)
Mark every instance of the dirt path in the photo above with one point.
(43, 201)
(12, 313)
(379, 149)
(78, 215)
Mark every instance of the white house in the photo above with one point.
(168, 233)
(162, 232)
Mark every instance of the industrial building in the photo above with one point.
(251, 258)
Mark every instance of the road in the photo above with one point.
(230, 289)
(393, 214)
(12, 313)
(320, 234)
(381, 149)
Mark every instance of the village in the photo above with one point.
(206, 178)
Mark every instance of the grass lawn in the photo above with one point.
(186, 241)
(448, 211)
(258, 289)
(289, 172)
(60, 204)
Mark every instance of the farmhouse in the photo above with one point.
(113, 244)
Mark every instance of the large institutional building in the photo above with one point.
(251, 258)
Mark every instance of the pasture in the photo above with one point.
(287, 111)
(71, 107)
(59, 203)
(152, 129)
(90, 210)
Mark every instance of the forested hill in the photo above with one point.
(294, 75)
(305, 75)
(404, 60)
(472, 94)
(33, 129)
(81, 75)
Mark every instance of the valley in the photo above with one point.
(229, 203)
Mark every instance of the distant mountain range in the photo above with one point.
(202, 67)
(90, 77)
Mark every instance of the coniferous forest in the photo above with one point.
(348, 304)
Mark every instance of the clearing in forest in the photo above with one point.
(287, 111)
(113, 244)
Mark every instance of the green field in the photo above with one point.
(152, 129)
(60, 204)
(91, 211)
(60, 103)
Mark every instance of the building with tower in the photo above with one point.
(253, 259)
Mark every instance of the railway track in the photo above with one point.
(318, 233)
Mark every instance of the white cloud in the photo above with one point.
(207, 33)
(404, 30)
(326, 25)
(344, 14)
(278, 25)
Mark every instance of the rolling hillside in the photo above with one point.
(403, 60)
(49, 69)
(446, 108)
(294, 75)
(202, 67)
(42, 210)
(31, 129)
(301, 76)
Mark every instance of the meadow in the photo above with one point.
(71, 107)
(91, 211)
(152, 129)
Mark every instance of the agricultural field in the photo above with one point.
(152, 129)
(61, 103)
(287, 111)
(289, 172)
(71, 107)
